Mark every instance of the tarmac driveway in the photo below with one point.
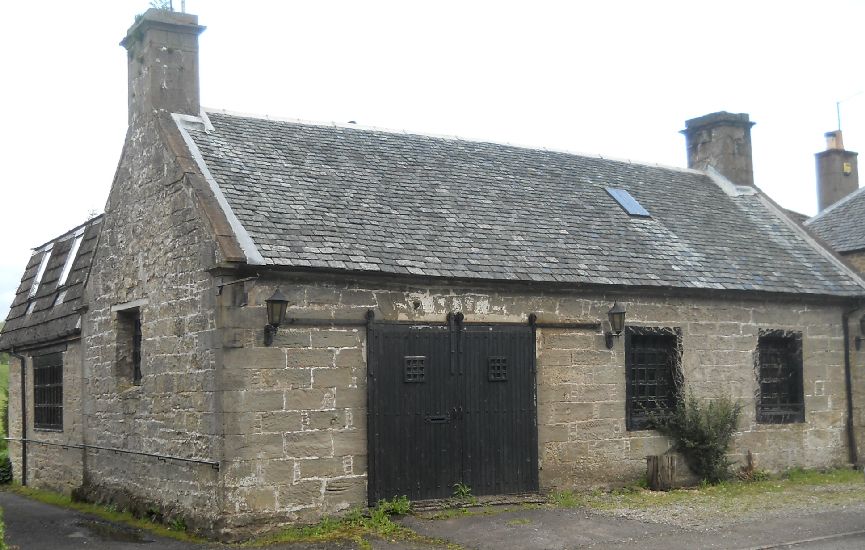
(32, 525)
(563, 529)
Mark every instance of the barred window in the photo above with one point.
(781, 398)
(652, 366)
(48, 391)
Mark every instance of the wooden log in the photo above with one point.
(669, 471)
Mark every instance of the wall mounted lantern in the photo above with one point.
(276, 306)
(617, 323)
(861, 336)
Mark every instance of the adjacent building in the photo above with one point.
(840, 223)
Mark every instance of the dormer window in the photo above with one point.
(70, 257)
(46, 255)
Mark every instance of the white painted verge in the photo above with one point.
(253, 256)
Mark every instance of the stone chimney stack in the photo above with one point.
(162, 48)
(837, 171)
(723, 141)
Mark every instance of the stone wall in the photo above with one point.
(857, 260)
(49, 464)
(152, 257)
(295, 412)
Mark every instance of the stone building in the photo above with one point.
(43, 329)
(447, 313)
(841, 220)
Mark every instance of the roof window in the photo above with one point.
(628, 203)
(46, 254)
(70, 257)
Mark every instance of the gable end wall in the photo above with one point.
(154, 250)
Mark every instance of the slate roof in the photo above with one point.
(842, 225)
(345, 198)
(796, 216)
(48, 320)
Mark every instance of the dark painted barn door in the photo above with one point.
(451, 404)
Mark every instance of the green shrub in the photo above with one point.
(701, 431)
(5, 470)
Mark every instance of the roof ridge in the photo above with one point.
(836, 205)
(448, 137)
(61, 236)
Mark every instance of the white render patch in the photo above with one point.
(184, 123)
(727, 186)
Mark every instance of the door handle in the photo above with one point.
(438, 418)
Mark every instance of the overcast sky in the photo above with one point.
(612, 78)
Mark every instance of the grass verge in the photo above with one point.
(729, 500)
(2, 532)
(4, 398)
(356, 526)
(102, 512)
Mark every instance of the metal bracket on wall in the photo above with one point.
(234, 282)
(457, 317)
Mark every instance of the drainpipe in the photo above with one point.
(848, 386)
(23, 415)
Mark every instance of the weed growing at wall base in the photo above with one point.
(356, 526)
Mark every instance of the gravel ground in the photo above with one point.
(696, 510)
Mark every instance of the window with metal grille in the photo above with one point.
(652, 367)
(48, 391)
(129, 344)
(497, 369)
(414, 368)
(781, 398)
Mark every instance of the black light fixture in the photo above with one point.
(617, 323)
(276, 306)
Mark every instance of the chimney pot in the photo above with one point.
(721, 140)
(834, 140)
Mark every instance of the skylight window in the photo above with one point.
(46, 254)
(70, 258)
(628, 203)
